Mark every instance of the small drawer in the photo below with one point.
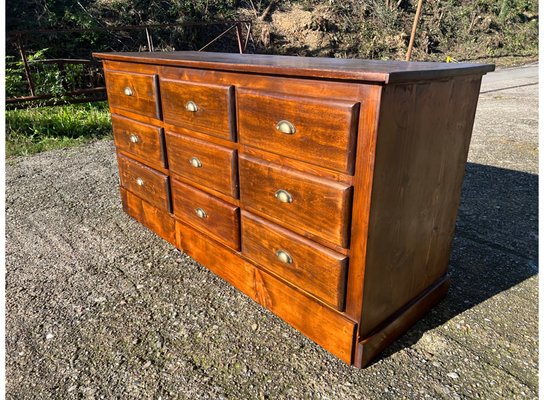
(142, 140)
(133, 92)
(203, 163)
(308, 265)
(201, 107)
(146, 183)
(321, 132)
(295, 199)
(208, 214)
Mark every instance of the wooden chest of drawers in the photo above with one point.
(324, 189)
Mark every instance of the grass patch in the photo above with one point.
(34, 130)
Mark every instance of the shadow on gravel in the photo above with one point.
(495, 245)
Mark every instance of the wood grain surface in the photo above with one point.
(141, 140)
(218, 165)
(319, 206)
(145, 182)
(421, 151)
(221, 220)
(215, 107)
(151, 217)
(370, 172)
(144, 98)
(310, 67)
(325, 129)
(314, 268)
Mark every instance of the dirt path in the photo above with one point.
(98, 307)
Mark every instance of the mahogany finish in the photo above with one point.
(215, 217)
(200, 107)
(323, 130)
(143, 141)
(203, 162)
(312, 267)
(324, 189)
(133, 92)
(318, 206)
(145, 182)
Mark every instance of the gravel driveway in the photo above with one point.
(100, 308)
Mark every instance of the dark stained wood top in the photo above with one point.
(310, 67)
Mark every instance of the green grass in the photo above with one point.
(34, 130)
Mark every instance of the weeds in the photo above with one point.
(33, 130)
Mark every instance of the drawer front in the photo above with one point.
(201, 107)
(204, 163)
(142, 140)
(146, 183)
(210, 215)
(321, 132)
(312, 267)
(295, 199)
(133, 92)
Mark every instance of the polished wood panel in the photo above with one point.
(141, 140)
(145, 182)
(207, 213)
(141, 96)
(212, 165)
(323, 325)
(213, 111)
(424, 131)
(318, 206)
(362, 190)
(311, 67)
(151, 217)
(320, 131)
(313, 268)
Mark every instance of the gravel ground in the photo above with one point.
(100, 308)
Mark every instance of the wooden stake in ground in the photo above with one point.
(414, 28)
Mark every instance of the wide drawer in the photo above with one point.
(210, 215)
(295, 199)
(143, 141)
(308, 265)
(201, 107)
(145, 182)
(318, 131)
(204, 163)
(133, 92)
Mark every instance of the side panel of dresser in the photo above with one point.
(421, 150)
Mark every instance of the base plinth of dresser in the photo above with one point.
(401, 322)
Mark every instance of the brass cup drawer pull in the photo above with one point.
(201, 213)
(128, 91)
(286, 127)
(284, 196)
(140, 181)
(284, 257)
(134, 138)
(195, 162)
(191, 106)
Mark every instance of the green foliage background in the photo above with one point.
(363, 28)
(488, 30)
